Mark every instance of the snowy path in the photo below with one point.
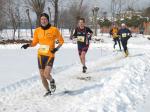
(114, 84)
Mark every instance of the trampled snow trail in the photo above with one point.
(114, 84)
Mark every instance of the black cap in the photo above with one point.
(45, 15)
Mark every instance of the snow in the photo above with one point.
(113, 83)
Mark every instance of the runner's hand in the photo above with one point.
(25, 46)
(54, 50)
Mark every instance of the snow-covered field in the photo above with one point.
(113, 83)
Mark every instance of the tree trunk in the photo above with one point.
(18, 24)
(13, 21)
(148, 30)
(77, 18)
(28, 14)
(38, 19)
(19, 30)
(56, 14)
(49, 10)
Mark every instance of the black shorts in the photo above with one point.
(81, 49)
(45, 61)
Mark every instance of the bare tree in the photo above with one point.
(70, 15)
(79, 11)
(56, 15)
(116, 8)
(1, 17)
(2, 13)
(76, 11)
(12, 14)
(95, 12)
(146, 12)
(18, 18)
(13, 21)
(49, 11)
(28, 14)
(132, 3)
(55, 5)
(37, 6)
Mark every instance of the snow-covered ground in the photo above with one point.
(112, 83)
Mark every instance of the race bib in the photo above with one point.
(115, 35)
(124, 35)
(44, 49)
(80, 38)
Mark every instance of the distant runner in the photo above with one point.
(83, 35)
(124, 34)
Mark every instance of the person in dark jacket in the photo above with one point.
(124, 34)
(83, 35)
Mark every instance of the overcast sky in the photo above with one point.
(105, 4)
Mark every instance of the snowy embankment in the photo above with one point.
(113, 83)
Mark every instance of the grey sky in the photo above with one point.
(105, 4)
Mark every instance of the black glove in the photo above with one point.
(71, 38)
(54, 50)
(25, 46)
(89, 37)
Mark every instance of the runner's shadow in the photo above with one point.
(80, 91)
(111, 68)
(136, 55)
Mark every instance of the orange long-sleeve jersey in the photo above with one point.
(114, 32)
(46, 39)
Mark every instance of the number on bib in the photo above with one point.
(124, 35)
(44, 49)
(80, 38)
